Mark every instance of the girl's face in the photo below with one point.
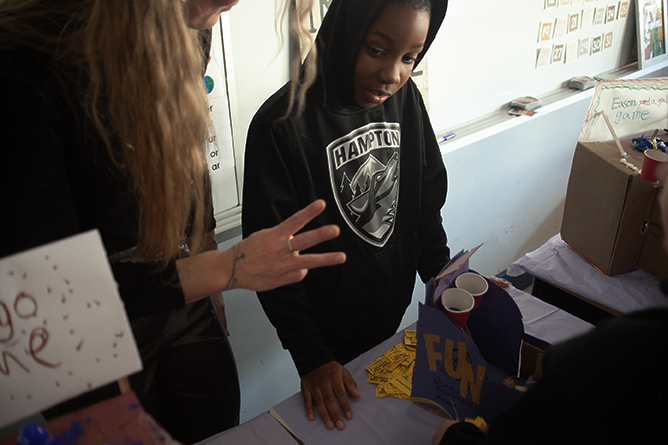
(203, 14)
(388, 53)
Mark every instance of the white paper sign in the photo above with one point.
(63, 328)
(220, 147)
(634, 107)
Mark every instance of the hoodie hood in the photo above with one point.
(339, 39)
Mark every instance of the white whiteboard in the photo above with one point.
(486, 52)
(220, 147)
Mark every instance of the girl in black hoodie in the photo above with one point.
(364, 144)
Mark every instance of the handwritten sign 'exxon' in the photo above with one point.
(634, 107)
(63, 329)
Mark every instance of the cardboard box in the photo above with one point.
(532, 361)
(653, 258)
(608, 206)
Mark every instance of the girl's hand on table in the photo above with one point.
(328, 387)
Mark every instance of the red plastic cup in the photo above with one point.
(457, 303)
(474, 284)
(653, 158)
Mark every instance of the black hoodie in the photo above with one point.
(380, 171)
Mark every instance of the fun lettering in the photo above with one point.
(458, 368)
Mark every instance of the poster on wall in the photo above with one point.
(220, 146)
(419, 74)
(650, 17)
(580, 30)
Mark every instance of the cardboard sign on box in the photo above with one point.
(608, 207)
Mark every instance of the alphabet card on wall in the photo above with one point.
(63, 328)
(632, 106)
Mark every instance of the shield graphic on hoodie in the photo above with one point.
(364, 174)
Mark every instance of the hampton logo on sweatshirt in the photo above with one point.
(364, 173)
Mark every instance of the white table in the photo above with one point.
(396, 421)
(556, 263)
(263, 429)
(547, 322)
(385, 420)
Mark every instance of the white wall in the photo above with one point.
(258, 60)
(507, 190)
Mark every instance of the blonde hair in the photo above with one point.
(301, 43)
(158, 107)
(145, 95)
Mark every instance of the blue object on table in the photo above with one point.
(644, 143)
(33, 434)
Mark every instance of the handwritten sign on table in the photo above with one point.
(63, 329)
(634, 107)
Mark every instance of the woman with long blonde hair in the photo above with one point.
(103, 119)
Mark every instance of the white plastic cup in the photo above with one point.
(474, 284)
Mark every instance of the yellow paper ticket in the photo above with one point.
(410, 337)
(378, 365)
(402, 383)
(393, 371)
